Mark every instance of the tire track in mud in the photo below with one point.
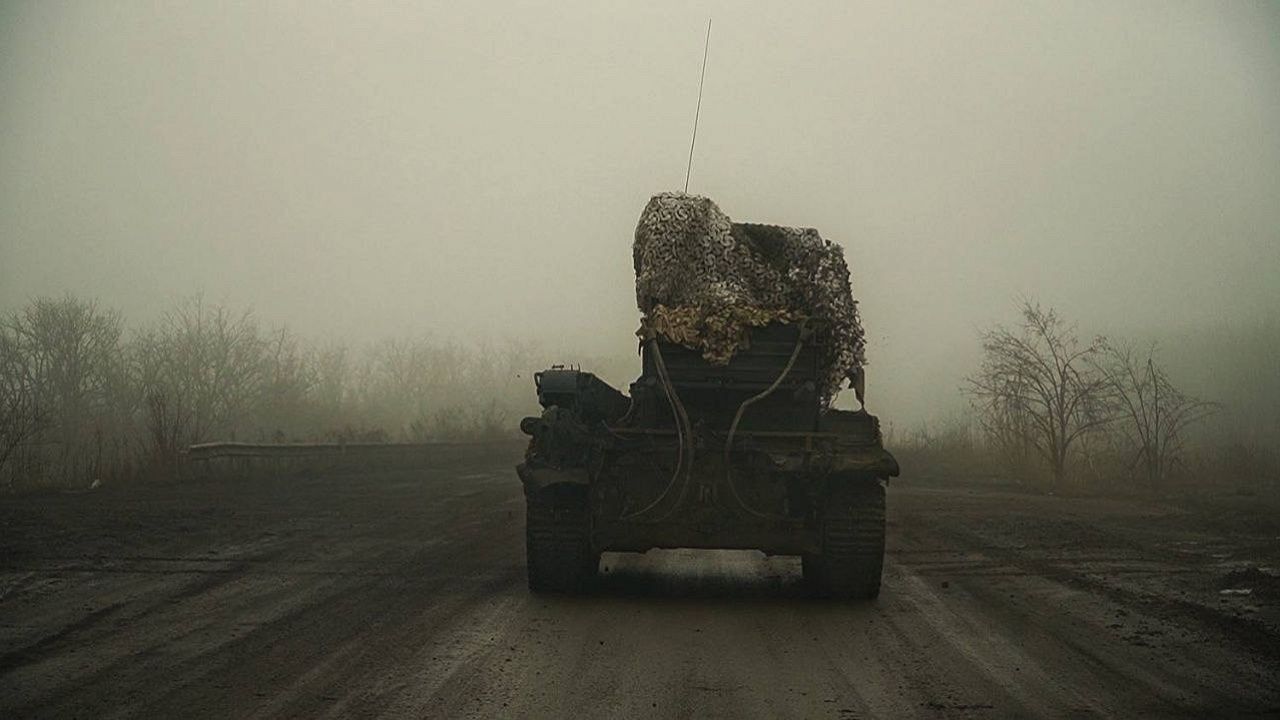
(1068, 616)
(232, 617)
(1247, 633)
(305, 641)
(48, 644)
(130, 609)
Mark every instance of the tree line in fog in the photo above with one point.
(1069, 411)
(85, 396)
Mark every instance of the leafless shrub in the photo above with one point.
(1040, 389)
(1155, 415)
(949, 448)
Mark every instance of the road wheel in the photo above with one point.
(852, 530)
(557, 540)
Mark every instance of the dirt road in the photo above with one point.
(401, 594)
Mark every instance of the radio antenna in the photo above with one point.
(706, 45)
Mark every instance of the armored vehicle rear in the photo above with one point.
(726, 440)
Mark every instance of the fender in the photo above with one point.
(537, 479)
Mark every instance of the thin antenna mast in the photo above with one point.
(706, 45)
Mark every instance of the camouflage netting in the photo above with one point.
(703, 280)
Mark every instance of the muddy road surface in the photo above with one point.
(402, 594)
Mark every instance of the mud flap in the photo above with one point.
(537, 479)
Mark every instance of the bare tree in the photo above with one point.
(69, 352)
(203, 368)
(286, 400)
(21, 417)
(1039, 384)
(1007, 426)
(1155, 413)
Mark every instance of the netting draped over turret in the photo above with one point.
(703, 280)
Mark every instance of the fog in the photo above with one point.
(275, 276)
(385, 169)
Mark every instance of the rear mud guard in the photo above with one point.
(538, 479)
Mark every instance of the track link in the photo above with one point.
(852, 530)
(557, 540)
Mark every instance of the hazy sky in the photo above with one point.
(376, 168)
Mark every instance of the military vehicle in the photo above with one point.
(743, 454)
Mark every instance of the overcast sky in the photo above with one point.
(374, 169)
